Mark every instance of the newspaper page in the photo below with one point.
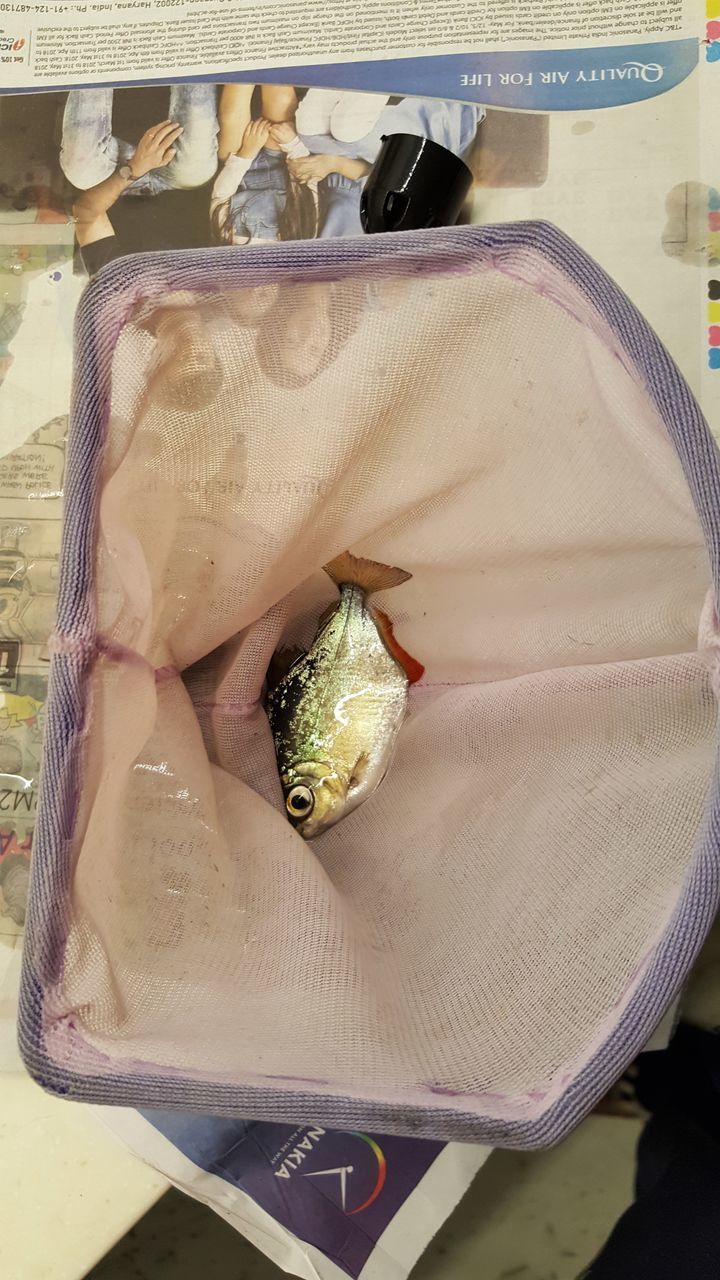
(250, 122)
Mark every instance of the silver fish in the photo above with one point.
(336, 712)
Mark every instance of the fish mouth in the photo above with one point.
(310, 828)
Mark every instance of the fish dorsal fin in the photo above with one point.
(281, 663)
(369, 575)
(413, 669)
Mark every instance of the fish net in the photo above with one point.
(480, 948)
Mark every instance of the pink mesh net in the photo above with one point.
(477, 927)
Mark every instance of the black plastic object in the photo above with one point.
(414, 183)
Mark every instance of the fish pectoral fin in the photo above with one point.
(281, 663)
(359, 771)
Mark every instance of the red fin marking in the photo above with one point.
(413, 669)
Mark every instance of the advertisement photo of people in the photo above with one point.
(236, 164)
(146, 169)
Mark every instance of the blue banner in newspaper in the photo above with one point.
(548, 80)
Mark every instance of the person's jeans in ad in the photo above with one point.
(90, 152)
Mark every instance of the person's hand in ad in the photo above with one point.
(311, 169)
(255, 137)
(156, 148)
(283, 133)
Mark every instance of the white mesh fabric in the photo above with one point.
(477, 926)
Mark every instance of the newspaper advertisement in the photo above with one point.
(321, 1204)
(136, 125)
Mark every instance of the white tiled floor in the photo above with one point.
(526, 1217)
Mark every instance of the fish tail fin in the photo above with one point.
(366, 574)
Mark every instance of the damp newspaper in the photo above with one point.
(136, 125)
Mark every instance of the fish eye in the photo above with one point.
(300, 802)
